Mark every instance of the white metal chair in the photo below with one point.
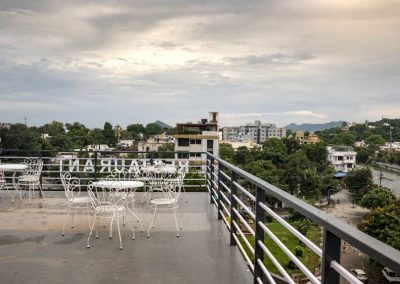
(127, 193)
(72, 190)
(108, 203)
(30, 177)
(172, 191)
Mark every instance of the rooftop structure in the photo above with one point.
(343, 158)
(257, 132)
(193, 139)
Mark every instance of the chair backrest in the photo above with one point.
(175, 184)
(71, 185)
(35, 166)
(119, 175)
(111, 195)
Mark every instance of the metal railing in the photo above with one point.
(94, 165)
(233, 201)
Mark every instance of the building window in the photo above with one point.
(195, 141)
(195, 154)
(183, 142)
(183, 155)
(210, 144)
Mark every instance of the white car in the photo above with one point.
(390, 275)
(360, 275)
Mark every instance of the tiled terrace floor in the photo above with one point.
(32, 249)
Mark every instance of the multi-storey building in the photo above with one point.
(343, 158)
(257, 132)
(193, 140)
(312, 138)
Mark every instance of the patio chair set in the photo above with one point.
(27, 180)
(113, 198)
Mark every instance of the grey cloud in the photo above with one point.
(269, 59)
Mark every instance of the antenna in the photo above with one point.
(26, 120)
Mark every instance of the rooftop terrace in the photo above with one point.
(32, 249)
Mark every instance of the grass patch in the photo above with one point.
(309, 258)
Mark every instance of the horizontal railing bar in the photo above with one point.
(215, 175)
(259, 281)
(244, 222)
(225, 221)
(226, 176)
(244, 206)
(208, 188)
(293, 230)
(225, 186)
(245, 191)
(225, 209)
(266, 272)
(246, 257)
(215, 201)
(276, 263)
(299, 264)
(249, 246)
(345, 273)
(214, 183)
(386, 255)
(226, 198)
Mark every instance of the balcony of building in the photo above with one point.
(223, 238)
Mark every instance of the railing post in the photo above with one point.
(233, 206)
(330, 252)
(219, 188)
(212, 179)
(259, 234)
(95, 165)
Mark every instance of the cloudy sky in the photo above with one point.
(140, 61)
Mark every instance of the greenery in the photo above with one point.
(383, 223)
(359, 181)
(70, 136)
(308, 257)
(377, 197)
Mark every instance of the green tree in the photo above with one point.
(108, 133)
(153, 129)
(275, 150)
(292, 145)
(362, 155)
(20, 137)
(53, 129)
(242, 156)
(328, 182)
(226, 152)
(96, 136)
(383, 223)
(137, 131)
(297, 169)
(359, 181)
(377, 197)
(374, 141)
(317, 153)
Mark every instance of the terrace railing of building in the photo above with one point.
(239, 197)
(236, 193)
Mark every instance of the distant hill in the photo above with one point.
(162, 124)
(314, 127)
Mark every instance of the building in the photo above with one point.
(303, 139)
(257, 132)
(193, 140)
(343, 158)
(237, 144)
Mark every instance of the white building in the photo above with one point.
(194, 139)
(257, 132)
(343, 158)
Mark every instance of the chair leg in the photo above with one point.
(111, 224)
(41, 192)
(130, 226)
(176, 222)
(91, 230)
(152, 221)
(66, 220)
(119, 233)
(72, 218)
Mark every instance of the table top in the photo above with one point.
(13, 167)
(118, 183)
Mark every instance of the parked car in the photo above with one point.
(360, 274)
(390, 275)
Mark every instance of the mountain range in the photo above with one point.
(314, 127)
(162, 124)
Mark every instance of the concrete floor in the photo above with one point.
(32, 249)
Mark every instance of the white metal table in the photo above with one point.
(13, 168)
